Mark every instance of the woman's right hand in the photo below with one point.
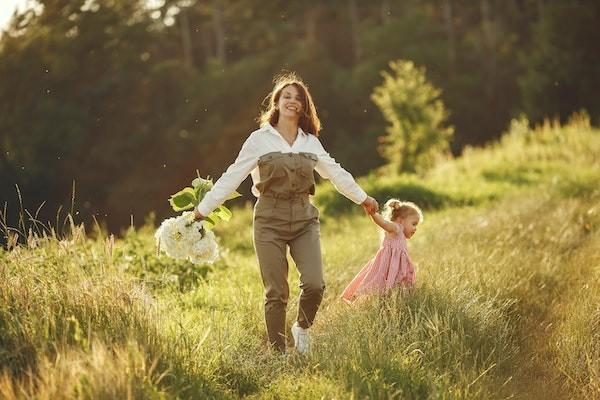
(370, 205)
(197, 215)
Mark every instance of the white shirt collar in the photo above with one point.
(274, 131)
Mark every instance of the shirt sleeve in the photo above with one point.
(342, 180)
(245, 162)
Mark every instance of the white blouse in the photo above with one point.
(265, 140)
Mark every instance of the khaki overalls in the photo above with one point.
(284, 216)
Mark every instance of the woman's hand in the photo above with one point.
(370, 205)
(197, 215)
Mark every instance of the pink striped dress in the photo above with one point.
(391, 266)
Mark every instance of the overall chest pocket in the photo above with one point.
(271, 166)
(308, 161)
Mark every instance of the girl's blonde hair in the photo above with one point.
(394, 209)
(309, 121)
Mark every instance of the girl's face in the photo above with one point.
(290, 102)
(409, 224)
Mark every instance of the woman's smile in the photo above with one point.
(290, 102)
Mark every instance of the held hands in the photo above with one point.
(370, 205)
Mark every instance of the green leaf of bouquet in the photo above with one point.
(209, 223)
(214, 216)
(234, 195)
(183, 200)
(224, 213)
(201, 187)
(198, 192)
(201, 182)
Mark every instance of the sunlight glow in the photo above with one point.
(8, 8)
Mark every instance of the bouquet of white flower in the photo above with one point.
(183, 237)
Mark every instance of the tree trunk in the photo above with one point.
(219, 30)
(489, 50)
(355, 26)
(540, 8)
(312, 20)
(206, 39)
(186, 40)
(449, 26)
(386, 11)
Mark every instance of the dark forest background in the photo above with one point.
(127, 99)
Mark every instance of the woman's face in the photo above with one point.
(290, 102)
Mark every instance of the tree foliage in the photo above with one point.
(562, 69)
(416, 116)
(128, 101)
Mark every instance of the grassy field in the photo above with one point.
(507, 303)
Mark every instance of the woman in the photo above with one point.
(281, 157)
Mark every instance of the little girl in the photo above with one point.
(391, 265)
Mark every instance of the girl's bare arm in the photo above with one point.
(384, 224)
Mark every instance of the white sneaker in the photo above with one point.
(301, 339)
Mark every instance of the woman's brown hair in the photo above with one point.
(309, 121)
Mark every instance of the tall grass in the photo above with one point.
(576, 341)
(100, 372)
(506, 302)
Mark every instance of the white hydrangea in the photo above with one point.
(183, 238)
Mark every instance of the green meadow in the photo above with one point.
(507, 302)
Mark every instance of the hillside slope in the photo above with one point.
(506, 302)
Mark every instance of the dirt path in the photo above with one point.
(534, 375)
(534, 372)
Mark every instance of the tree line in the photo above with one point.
(129, 98)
